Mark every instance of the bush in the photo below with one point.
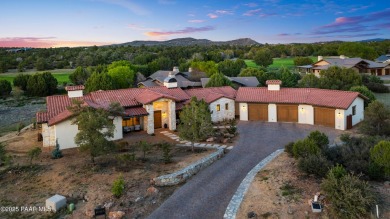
(21, 81)
(43, 84)
(338, 171)
(376, 119)
(321, 140)
(315, 164)
(375, 172)
(5, 88)
(305, 147)
(232, 129)
(145, 147)
(380, 155)
(166, 151)
(377, 88)
(34, 153)
(5, 159)
(126, 158)
(349, 196)
(118, 187)
(56, 153)
(289, 148)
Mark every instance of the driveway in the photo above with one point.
(207, 194)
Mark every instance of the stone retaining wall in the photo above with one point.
(185, 173)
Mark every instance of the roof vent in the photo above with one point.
(75, 91)
(273, 84)
(170, 81)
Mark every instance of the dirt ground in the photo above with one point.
(281, 191)
(85, 184)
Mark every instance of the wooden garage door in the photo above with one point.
(287, 113)
(157, 119)
(258, 112)
(324, 116)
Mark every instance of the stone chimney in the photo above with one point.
(75, 91)
(273, 84)
(175, 69)
(170, 81)
(320, 58)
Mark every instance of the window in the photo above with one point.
(226, 106)
(354, 110)
(218, 107)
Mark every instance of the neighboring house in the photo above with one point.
(145, 108)
(237, 81)
(184, 79)
(334, 108)
(383, 59)
(360, 65)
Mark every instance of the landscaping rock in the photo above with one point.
(89, 213)
(211, 139)
(151, 191)
(108, 205)
(252, 214)
(116, 214)
(387, 184)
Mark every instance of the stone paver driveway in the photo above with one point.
(207, 194)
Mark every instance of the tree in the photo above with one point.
(309, 80)
(99, 81)
(3, 67)
(380, 154)
(231, 68)
(122, 76)
(195, 122)
(208, 67)
(304, 148)
(376, 119)
(4, 157)
(364, 91)
(288, 78)
(79, 76)
(21, 81)
(42, 84)
(337, 78)
(321, 140)
(33, 153)
(260, 74)
(5, 88)
(355, 49)
(349, 196)
(95, 128)
(218, 80)
(298, 61)
(263, 57)
(145, 147)
(41, 64)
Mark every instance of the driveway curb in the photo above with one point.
(237, 198)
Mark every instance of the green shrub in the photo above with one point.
(34, 153)
(20, 126)
(5, 159)
(56, 153)
(320, 139)
(232, 129)
(315, 164)
(338, 171)
(118, 187)
(377, 87)
(5, 88)
(126, 158)
(145, 147)
(349, 196)
(305, 147)
(375, 172)
(380, 154)
(289, 148)
(166, 151)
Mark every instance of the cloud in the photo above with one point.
(178, 32)
(196, 21)
(253, 12)
(43, 42)
(212, 16)
(229, 12)
(284, 34)
(166, 2)
(354, 9)
(251, 5)
(130, 5)
(139, 27)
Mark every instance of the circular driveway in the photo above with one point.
(207, 194)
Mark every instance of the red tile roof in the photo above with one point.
(136, 111)
(312, 96)
(42, 117)
(277, 82)
(212, 94)
(73, 88)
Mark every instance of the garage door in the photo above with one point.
(157, 119)
(258, 112)
(287, 113)
(324, 116)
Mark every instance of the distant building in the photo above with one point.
(184, 79)
(383, 59)
(237, 81)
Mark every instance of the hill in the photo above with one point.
(190, 42)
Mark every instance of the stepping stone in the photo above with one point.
(183, 142)
(223, 146)
(229, 148)
(196, 144)
(202, 145)
(164, 132)
(216, 145)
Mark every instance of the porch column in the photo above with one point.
(171, 115)
(150, 118)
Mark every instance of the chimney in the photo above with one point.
(170, 81)
(175, 69)
(189, 69)
(273, 84)
(320, 58)
(75, 91)
(342, 56)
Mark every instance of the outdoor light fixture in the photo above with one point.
(302, 109)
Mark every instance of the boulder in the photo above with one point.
(211, 139)
(151, 191)
(116, 214)
(89, 213)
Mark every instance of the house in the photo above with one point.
(145, 108)
(237, 81)
(184, 79)
(334, 108)
(360, 65)
(383, 58)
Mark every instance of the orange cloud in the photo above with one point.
(177, 32)
(43, 42)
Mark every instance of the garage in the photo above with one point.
(324, 116)
(258, 112)
(287, 113)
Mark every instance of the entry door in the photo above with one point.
(157, 119)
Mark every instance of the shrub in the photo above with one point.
(377, 88)
(315, 164)
(232, 129)
(380, 155)
(126, 158)
(364, 91)
(145, 147)
(21, 81)
(376, 119)
(305, 147)
(289, 148)
(5, 88)
(34, 153)
(56, 153)
(5, 159)
(20, 126)
(375, 172)
(42, 84)
(320, 139)
(338, 171)
(349, 196)
(118, 187)
(166, 151)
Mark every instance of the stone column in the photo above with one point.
(150, 118)
(172, 115)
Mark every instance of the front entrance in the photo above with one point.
(157, 119)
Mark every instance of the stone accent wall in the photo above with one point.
(149, 119)
(172, 115)
(48, 135)
(184, 174)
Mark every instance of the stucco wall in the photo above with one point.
(306, 114)
(341, 119)
(272, 113)
(75, 93)
(359, 103)
(162, 104)
(243, 107)
(217, 116)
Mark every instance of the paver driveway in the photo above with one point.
(207, 194)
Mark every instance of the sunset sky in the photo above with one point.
(57, 23)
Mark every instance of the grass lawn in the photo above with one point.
(62, 75)
(384, 98)
(277, 63)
